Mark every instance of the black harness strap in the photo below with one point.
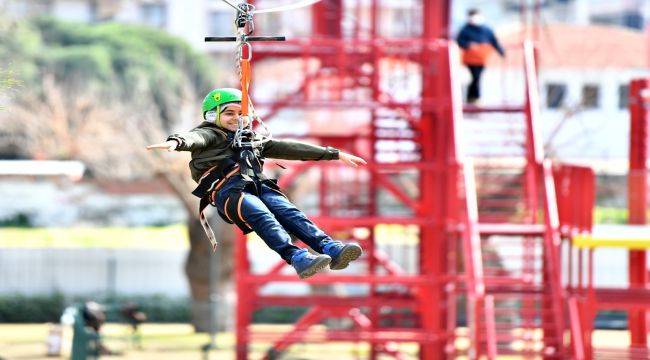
(213, 177)
(249, 166)
(208, 186)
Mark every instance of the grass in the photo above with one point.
(175, 237)
(167, 237)
(161, 341)
(178, 341)
(172, 237)
(608, 215)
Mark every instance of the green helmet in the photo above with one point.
(219, 97)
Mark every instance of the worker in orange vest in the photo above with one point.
(477, 42)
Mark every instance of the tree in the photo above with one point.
(99, 94)
(7, 80)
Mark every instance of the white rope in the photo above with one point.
(293, 6)
(232, 5)
(296, 5)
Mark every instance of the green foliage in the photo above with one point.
(128, 62)
(21, 235)
(80, 62)
(279, 314)
(7, 80)
(134, 54)
(19, 47)
(49, 308)
(606, 215)
(31, 309)
(20, 220)
(158, 308)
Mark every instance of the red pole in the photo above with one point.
(435, 136)
(372, 183)
(638, 198)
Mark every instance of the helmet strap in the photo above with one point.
(211, 116)
(217, 119)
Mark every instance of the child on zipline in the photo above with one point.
(229, 176)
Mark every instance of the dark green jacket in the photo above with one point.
(210, 145)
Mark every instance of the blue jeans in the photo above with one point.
(272, 216)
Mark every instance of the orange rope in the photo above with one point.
(245, 83)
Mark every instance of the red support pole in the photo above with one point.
(639, 102)
(435, 141)
(436, 19)
(373, 179)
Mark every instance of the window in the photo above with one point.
(623, 96)
(402, 22)
(555, 94)
(99, 10)
(633, 19)
(27, 8)
(154, 14)
(590, 96)
(221, 23)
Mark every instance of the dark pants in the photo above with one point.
(272, 216)
(474, 90)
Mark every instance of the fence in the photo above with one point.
(93, 271)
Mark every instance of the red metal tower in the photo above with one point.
(415, 141)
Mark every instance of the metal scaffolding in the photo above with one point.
(488, 232)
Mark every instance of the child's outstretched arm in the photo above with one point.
(197, 138)
(294, 150)
(351, 160)
(170, 145)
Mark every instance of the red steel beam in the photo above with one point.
(412, 280)
(639, 103)
(328, 300)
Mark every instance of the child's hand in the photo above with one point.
(170, 145)
(351, 160)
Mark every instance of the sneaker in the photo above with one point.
(342, 254)
(307, 264)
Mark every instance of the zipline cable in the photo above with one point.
(293, 6)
